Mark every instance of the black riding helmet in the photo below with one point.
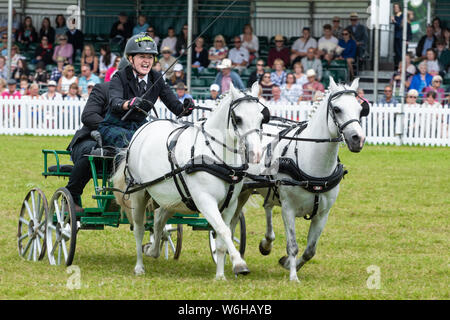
(140, 43)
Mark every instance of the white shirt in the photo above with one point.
(238, 55)
(103, 66)
(301, 46)
(328, 45)
(57, 96)
(252, 45)
(169, 42)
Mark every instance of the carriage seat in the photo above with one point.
(62, 168)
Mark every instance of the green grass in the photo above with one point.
(392, 212)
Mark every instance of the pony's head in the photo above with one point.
(245, 118)
(344, 113)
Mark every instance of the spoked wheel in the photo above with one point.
(239, 238)
(170, 243)
(61, 228)
(31, 231)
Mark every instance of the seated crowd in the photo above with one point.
(292, 70)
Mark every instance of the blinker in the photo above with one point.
(266, 115)
(365, 109)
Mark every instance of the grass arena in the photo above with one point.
(386, 238)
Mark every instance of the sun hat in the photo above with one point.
(214, 87)
(178, 67)
(225, 64)
(310, 73)
(413, 92)
(51, 83)
(180, 85)
(166, 49)
(279, 37)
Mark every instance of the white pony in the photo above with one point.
(237, 119)
(338, 113)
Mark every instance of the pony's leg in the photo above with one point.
(315, 230)
(138, 204)
(208, 207)
(289, 261)
(160, 219)
(265, 246)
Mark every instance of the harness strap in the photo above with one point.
(315, 208)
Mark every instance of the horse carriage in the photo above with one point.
(192, 171)
(51, 226)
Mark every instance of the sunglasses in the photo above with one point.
(260, 64)
(218, 41)
(345, 34)
(336, 21)
(413, 97)
(387, 90)
(437, 81)
(266, 77)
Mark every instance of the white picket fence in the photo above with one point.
(421, 126)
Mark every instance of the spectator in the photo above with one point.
(311, 62)
(276, 95)
(266, 86)
(51, 93)
(250, 42)
(151, 32)
(167, 62)
(397, 79)
(311, 86)
(432, 62)
(76, 38)
(300, 77)
(61, 26)
(112, 70)
(388, 97)
(411, 97)
(409, 66)
(47, 31)
(436, 87)
(446, 37)
(359, 33)
(199, 55)
(349, 52)
(178, 75)
(421, 79)
(170, 41)
(214, 90)
(64, 50)
(426, 42)
(27, 33)
(21, 70)
(88, 57)
(57, 71)
(15, 57)
(360, 97)
(121, 30)
(33, 92)
(87, 76)
(23, 86)
(443, 55)
(11, 92)
(327, 44)
(72, 94)
(181, 88)
(257, 74)
(301, 45)
(218, 51)
(68, 77)
(239, 56)
(430, 101)
(4, 45)
(291, 91)
(181, 44)
(336, 28)
(437, 27)
(397, 20)
(3, 68)
(226, 76)
(40, 75)
(278, 76)
(280, 51)
(2, 85)
(15, 24)
(90, 86)
(157, 66)
(106, 60)
(44, 52)
(141, 25)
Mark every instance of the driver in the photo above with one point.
(127, 89)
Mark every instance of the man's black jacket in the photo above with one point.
(93, 113)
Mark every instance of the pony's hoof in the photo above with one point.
(263, 250)
(241, 269)
(220, 278)
(294, 279)
(146, 249)
(138, 270)
(284, 262)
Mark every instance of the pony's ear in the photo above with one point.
(233, 91)
(355, 84)
(255, 89)
(333, 86)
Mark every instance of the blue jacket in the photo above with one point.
(349, 48)
(416, 82)
(235, 78)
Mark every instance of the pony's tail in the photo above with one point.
(119, 182)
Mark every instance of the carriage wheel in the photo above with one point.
(170, 245)
(61, 228)
(239, 237)
(31, 231)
